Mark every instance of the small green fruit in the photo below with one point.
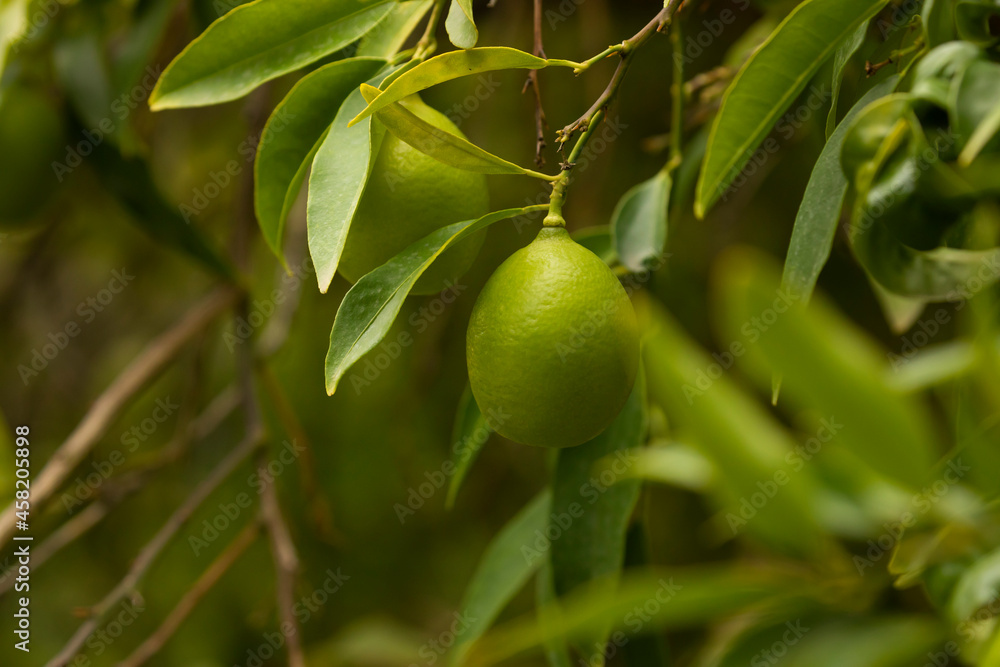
(553, 344)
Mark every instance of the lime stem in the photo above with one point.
(428, 44)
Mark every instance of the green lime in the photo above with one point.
(408, 196)
(32, 137)
(553, 344)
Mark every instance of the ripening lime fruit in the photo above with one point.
(553, 344)
(32, 137)
(408, 196)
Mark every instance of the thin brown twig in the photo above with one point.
(137, 375)
(155, 546)
(541, 124)
(187, 604)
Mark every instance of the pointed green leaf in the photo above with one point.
(258, 42)
(441, 145)
(454, 65)
(768, 83)
(821, 207)
(592, 547)
(391, 33)
(677, 599)
(340, 170)
(502, 571)
(639, 223)
(292, 134)
(747, 446)
(845, 52)
(827, 366)
(460, 24)
(468, 437)
(371, 306)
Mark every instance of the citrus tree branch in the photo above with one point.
(155, 547)
(108, 406)
(532, 82)
(187, 604)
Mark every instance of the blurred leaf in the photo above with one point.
(291, 136)
(84, 74)
(471, 432)
(441, 145)
(845, 52)
(461, 25)
(827, 365)
(978, 586)
(258, 42)
(502, 572)
(371, 305)
(391, 33)
(369, 641)
(591, 507)
(138, 46)
(900, 312)
(556, 650)
(871, 642)
(977, 21)
(938, 18)
(340, 170)
(639, 223)
(976, 97)
(678, 465)
(131, 183)
(13, 23)
(645, 602)
(771, 79)
(985, 132)
(820, 210)
(598, 241)
(454, 65)
(746, 445)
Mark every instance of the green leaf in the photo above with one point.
(677, 465)
(440, 144)
(291, 136)
(598, 241)
(678, 599)
(13, 23)
(340, 170)
(974, 107)
(502, 572)
(768, 83)
(639, 223)
(130, 181)
(828, 366)
(820, 210)
(469, 435)
(556, 650)
(454, 65)
(391, 33)
(977, 587)
(845, 52)
(461, 25)
(976, 21)
(938, 17)
(258, 42)
(744, 443)
(592, 546)
(370, 307)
